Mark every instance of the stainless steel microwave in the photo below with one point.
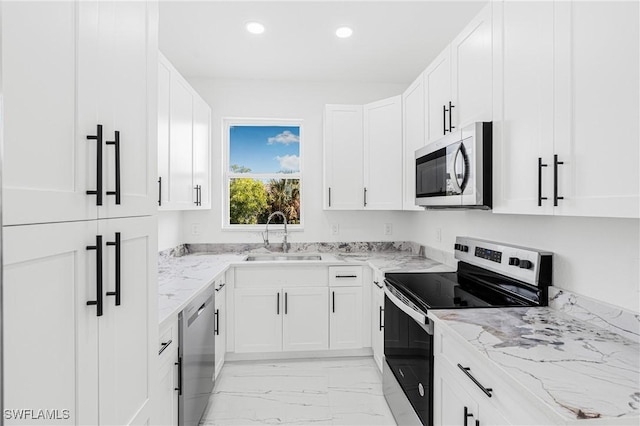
(455, 171)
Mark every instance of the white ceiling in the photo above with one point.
(393, 41)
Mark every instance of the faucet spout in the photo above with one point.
(285, 245)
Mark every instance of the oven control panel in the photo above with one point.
(529, 265)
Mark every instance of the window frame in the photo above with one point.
(227, 175)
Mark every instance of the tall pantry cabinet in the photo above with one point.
(79, 194)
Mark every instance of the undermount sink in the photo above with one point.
(281, 257)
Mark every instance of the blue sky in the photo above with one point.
(265, 149)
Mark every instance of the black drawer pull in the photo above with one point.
(329, 196)
(216, 322)
(116, 144)
(346, 276)
(467, 414)
(465, 370)
(98, 191)
(98, 301)
(160, 190)
(378, 284)
(380, 316)
(164, 345)
(179, 364)
(117, 246)
(220, 288)
(333, 302)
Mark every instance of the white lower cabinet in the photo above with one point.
(220, 330)
(377, 318)
(281, 319)
(165, 395)
(345, 319)
(62, 352)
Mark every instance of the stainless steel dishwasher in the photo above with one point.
(196, 358)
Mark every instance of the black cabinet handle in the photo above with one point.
(380, 315)
(333, 302)
(465, 370)
(117, 246)
(116, 144)
(164, 345)
(444, 119)
(199, 195)
(196, 202)
(477, 422)
(347, 276)
(555, 180)
(467, 414)
(451, 107)
(540, 166)
(98, 191)
(365, 197)
(160, 190)
(329, 196)
(220, 288)
(98, 301)
(285, 303)
(376, 283)
(179, 364)
(278, 304)
(216, 322)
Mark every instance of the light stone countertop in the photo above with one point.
(579, 370)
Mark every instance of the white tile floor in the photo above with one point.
(343, 391)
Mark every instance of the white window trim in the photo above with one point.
(227, 122)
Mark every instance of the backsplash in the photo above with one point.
(319, 247)
(612, 318)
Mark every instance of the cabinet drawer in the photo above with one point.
(508, 397)
(279, 276)
(345, 276)
(168, 342)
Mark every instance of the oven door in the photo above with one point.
(408, 351)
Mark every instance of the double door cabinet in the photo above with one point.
(184, 134)
(80, 238)
(563, 73)
(297, 309)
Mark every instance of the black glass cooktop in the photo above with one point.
(469, 287)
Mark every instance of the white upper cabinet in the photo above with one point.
(471, 66)
(566, 108)
(437, 83)
(96, 75)
(383, 154)
(413, 138)
(343, 159)
(597, 113)
(359, 141)
(184, 136)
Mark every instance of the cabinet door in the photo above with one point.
(180, 186)
(523, 108)
(50, 334)
(164, 106)
(305, 322)
(452, 405)
(127, 45)
(413, 138)
(383, 154)
(258, 320)
(471, 62)
(221, 327)
(130, 324)
(343, 157)
(437, 79)
(345, 318)
(201, 153)
(377, 323)
(597, 108)
(48, 162)
(165, 396)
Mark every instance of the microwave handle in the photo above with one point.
(457, 184)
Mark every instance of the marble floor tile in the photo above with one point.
(340, 391)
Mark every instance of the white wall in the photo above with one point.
(169, 230)
(294, 100)
(595, 257)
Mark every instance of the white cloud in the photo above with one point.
(285, 138)
(289, 163)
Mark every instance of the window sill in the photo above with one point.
(275, 229)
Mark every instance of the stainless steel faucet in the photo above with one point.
(265, 235)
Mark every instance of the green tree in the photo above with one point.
(247, 201)
(284, 195)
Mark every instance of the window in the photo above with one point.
(262, 172)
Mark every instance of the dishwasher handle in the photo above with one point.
(179, 364)
(200, 310)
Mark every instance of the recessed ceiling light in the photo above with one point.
(344, 32)
(255, 27)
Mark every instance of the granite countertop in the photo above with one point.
(580, 370)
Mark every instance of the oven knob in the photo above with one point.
(457, 246)
(514, 261)
(464, 248)
(526, 264)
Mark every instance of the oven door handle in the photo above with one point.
(419, 317)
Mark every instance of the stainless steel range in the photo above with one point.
(489, 274)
